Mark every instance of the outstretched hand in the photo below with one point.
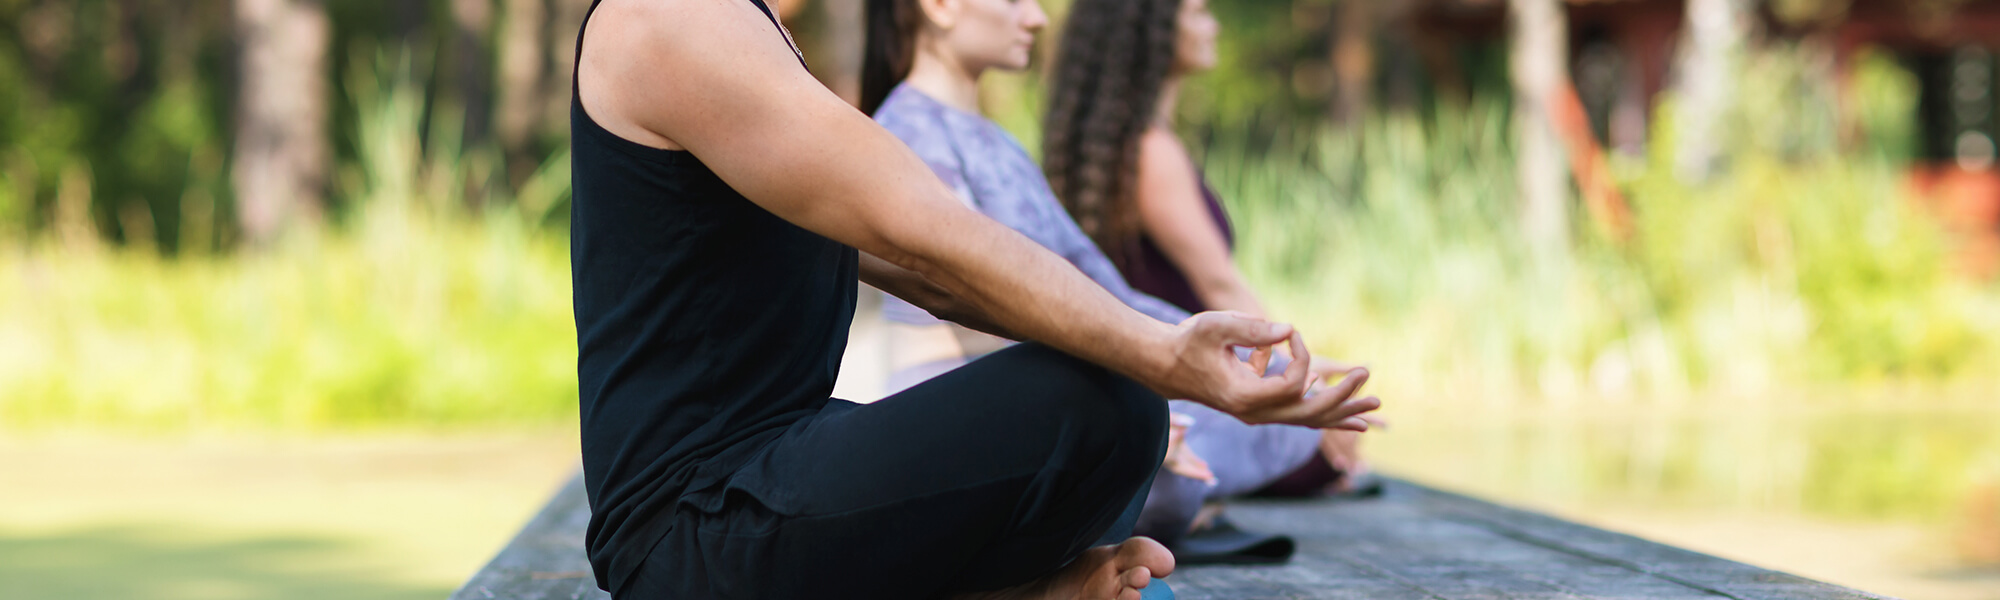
(1207, 370)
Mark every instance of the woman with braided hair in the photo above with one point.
(1111, 154)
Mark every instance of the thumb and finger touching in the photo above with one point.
(1289, 397)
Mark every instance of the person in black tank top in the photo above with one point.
(710, 326)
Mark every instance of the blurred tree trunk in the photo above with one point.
(1539, 55)
(524, 52)
(565, 21)
(280, 165)
(1710, 54)
(409, 19)
(1353, 57)
(471, 65)
(840, 52)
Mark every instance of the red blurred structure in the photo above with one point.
(1623, 52)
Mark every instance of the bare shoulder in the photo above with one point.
(1161, 154)
(644, 60)
(1161, 147)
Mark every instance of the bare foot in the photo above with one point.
(1101, 573)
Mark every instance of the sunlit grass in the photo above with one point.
(1788, 336)
(1397, 244)
(422, 323)
(405, 308)
(264, 515)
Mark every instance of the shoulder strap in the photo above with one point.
(577, 60)
(782, 30)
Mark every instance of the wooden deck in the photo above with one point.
(1414, 543)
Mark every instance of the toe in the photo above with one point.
(1138, 578)
(1141, 551)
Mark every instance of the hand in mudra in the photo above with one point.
(1326, 370)
(1207, 370)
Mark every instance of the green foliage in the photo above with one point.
(414, 311)
(128, 93)
(1885, 102)
(1396, 243)
(1787, 336)
(422, 323)
(138, 95)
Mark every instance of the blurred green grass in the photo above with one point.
(1396, 242)
(173, 562)
(108, 514)
(408, 310)
(403, 321)
(1788, 336)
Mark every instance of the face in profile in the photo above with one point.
(993, 34)
(1194, 43)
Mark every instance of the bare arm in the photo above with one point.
(711, 76)
(1174, 215)
(940, 302)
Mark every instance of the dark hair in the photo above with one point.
(1114, 59)
(892, 38)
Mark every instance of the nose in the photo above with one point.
(1035, 18)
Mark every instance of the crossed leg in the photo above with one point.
(997, 477)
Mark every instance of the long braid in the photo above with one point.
(1114, 58)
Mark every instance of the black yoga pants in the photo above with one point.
(988, 476)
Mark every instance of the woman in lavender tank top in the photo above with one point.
(920, 82)
(1111, 154)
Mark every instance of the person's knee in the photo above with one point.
(1145, 426)
(1131, 422)
(1114, 419)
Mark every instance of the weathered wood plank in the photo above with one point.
(1414, 543)
(1433, 544)
(545, 561)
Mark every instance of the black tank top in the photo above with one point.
(705, 326)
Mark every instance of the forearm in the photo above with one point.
(875, 194)
(1156, 308)
(933, 298)
(997, 273)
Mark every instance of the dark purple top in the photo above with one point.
(1151, 272)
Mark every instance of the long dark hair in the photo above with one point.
(1109, 71)
(892, 39)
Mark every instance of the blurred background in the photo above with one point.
(284, 296)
